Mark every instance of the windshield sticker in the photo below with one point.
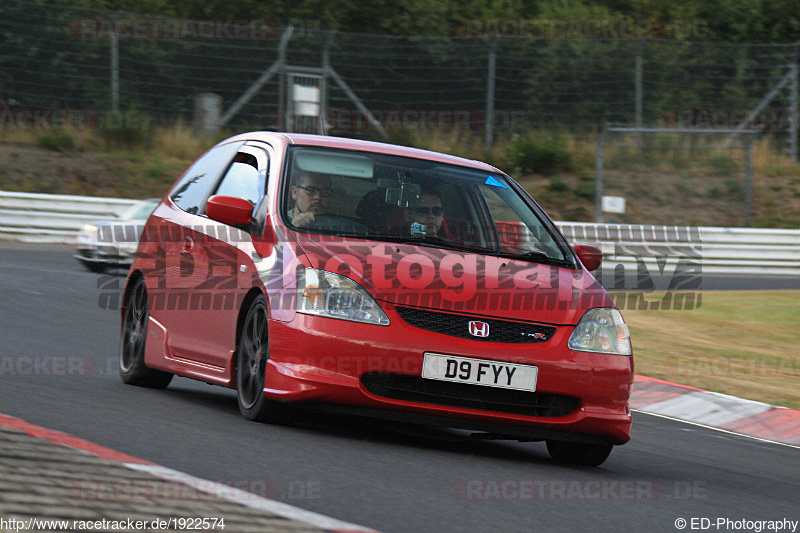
(494, 182)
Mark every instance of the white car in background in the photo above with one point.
(112, 243)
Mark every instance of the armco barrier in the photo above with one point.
(713, 250)
(57, 218)
(50, 218)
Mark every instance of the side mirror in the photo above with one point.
(590, 256)
(230, 210)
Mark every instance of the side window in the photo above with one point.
(190, 194)
(244, 179)
(517, 228)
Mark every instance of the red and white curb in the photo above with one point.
(720, 411)
(218, 490)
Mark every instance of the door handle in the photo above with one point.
(188, 244)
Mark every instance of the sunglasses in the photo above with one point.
(313, 191)
(436, 211)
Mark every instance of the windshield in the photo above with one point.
(139, 211)
(401, 199)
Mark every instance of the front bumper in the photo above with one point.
(320, 361)
(97, 256)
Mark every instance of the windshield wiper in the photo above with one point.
(535, 257)
(435, 241)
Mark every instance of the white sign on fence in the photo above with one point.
(614, 204)
(306, 100)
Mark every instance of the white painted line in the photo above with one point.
(659, 415)
(253, 501)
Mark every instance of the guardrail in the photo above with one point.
(709, 250)
(46, 218)
(52, 218)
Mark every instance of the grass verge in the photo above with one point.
(663, 184)
(742, 343)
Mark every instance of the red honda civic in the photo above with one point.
(317, 272)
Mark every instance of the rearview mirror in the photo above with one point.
(400, 191)
(403, 197)
(230, 210)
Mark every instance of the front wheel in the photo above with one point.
(252, 354)
(132, 369)
(578, 453)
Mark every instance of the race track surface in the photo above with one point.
(383, 476)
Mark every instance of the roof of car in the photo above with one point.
(361, 145)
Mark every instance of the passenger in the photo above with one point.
(427, 216)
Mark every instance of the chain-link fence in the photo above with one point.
(674, 176)
(54, 57)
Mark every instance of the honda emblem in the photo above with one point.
(478, 328)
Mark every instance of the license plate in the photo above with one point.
(479, 372)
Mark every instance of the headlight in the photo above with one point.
(89, 228)
(601, 330)
(330, 295)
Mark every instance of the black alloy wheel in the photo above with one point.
(132, 369)
(252, 354)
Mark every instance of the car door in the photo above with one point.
(219, 267)
(176, 276)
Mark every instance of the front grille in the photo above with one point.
(515, 402)
(458, 326)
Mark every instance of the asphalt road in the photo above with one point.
(386, 477)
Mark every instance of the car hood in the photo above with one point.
(459, 281)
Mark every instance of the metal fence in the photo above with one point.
(55, 58)
(667, 152)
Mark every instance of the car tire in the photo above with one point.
(132, 369)
(578, 453)
(252, 354)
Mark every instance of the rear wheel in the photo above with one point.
(134, 336)
(578, 453)
(252, 354)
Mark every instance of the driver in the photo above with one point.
(311, 193)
